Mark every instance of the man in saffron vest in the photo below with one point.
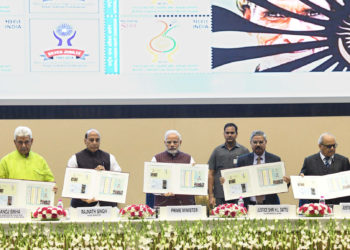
(172, 154)
(93, 158)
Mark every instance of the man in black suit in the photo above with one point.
(258, 143)
(325, 162)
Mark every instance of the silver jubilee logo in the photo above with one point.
(64, 31)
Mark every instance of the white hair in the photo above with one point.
(22, 131)
(320, 140)
(258, 133)
(90, 131)
(172, 131)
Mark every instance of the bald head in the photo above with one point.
(327, 144)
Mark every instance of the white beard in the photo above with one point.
(173, 152)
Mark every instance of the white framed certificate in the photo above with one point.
(24, 193)
(254, 180)
(313, 187)
(83, 183)
(176, 178)
(113, 186)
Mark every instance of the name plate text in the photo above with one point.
(272, 211)
(14, 213)
(84, 213)
(183, 212)
(342, 210)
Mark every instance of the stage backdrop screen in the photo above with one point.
(91, 52)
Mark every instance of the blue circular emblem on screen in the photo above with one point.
(64, 29)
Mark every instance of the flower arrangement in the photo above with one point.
(49, 213)
(148, 234)
(136, 211)
(229, 210)
(314, 210)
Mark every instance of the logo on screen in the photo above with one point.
(64, 34)
(283, 36)
(163, 44)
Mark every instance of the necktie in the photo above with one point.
(258, 160)
(326, 161)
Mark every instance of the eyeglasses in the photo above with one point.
(94, 139)
(258, 142)
(330, 146)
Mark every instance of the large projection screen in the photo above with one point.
(97, 52)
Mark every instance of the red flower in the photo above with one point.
(132, 214)
(233, 214)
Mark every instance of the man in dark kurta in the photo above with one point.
(172, 141)
(93, 158)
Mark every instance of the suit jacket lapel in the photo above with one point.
(251, 159)
(319, 161)
(267, 157)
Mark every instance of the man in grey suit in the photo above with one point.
(325, 162)
(258, 143)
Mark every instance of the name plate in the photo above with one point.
(91, 213)
(272, 211)
(183, 212)
(11, 214)
(342, 210)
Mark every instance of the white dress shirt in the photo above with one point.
(72, 163)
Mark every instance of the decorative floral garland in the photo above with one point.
(49, 213)
(229, 210)
(314, 210)
(137, 211)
